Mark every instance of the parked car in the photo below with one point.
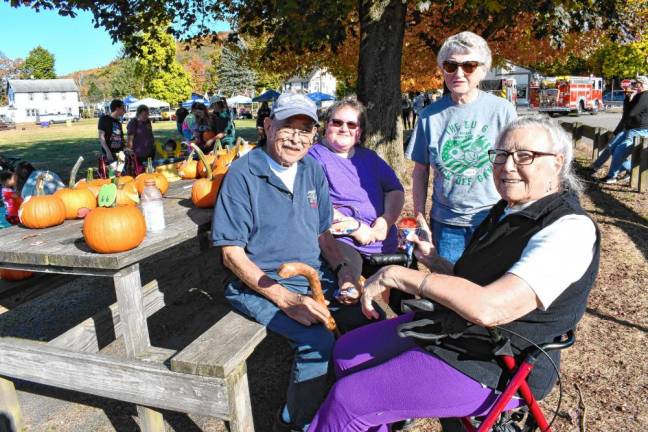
(56, 118)
(614, 97)
(6, 123)
(155, 115)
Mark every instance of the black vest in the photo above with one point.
(494, 248)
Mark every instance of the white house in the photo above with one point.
(31, 99)
(319, 80)
(521, 75)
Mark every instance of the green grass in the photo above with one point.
(57, 148)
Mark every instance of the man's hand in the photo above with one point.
(303, 309)
(376, 286)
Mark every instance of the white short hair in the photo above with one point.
(561, 143)
(466, 43)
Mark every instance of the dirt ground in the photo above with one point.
(605, 375)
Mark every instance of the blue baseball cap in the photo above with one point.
(291, 104)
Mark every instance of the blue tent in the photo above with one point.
(320, 97)
(268, 96)
(129, 100)
(195, 98)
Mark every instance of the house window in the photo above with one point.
(28, 112)
(45, 96)
(31, 96)
(62, 96)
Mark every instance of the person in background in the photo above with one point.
(111, 134)
(452, 138)
(198, 122)
(140, 134)
(10, 198)
(417, 106)
(634, 123)
(406, 111)
(181, 114)
(262, 113)
(222, 124)
(274, 207)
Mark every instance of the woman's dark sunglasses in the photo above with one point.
(468, 67)
(338, 123)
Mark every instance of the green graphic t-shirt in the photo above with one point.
(454, 140)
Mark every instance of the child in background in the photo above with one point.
(10, 197)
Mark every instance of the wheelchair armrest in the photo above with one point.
(561, 342)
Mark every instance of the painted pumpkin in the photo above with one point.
(127, 195)
(205, 190)
(114, 229)
(41, 211)
(14, 275)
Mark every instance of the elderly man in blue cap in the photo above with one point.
(274, 207)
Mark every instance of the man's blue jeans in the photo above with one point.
(620, 149)
(451, 240)
(313, 345)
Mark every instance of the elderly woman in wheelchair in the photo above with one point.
(526, 274)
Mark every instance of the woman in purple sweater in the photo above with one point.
(362, 186)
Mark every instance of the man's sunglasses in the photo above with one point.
(468, 67)
(338, 123)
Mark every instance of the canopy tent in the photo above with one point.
(320, 97)
(194, 98)
(268, 96)
(239, 99)
(215, 98)
(129, 100)
(153, 103)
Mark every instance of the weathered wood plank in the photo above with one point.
(221, 349)
(643, 166)
(63, 246)
(9, 406)
(142, 383)
(588, 131)
(240, 405)
(96, 332)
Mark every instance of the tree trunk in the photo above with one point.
(382, 26)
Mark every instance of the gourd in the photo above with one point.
(205, 190)
(41, 211)
(14, 275)
(188, 169)
(160, 180)
(78, 202)
(110, 229)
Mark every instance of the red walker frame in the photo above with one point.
(518, 384)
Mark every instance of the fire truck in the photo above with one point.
(565, 94)
(503, 87)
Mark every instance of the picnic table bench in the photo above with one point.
(208, 377)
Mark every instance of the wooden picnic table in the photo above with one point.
(67, 362)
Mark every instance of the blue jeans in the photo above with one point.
(451, 240)
(620, 149)
(313, 345)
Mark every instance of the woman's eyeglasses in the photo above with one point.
(468, 67)
(338, 123)
(520, 157)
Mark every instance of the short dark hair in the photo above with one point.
(170, 143)
(199, 106)
(141, 109)
(116, 103)
(181, 114)
(5, 175)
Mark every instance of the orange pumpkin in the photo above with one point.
(114, 229)
(91, 183)
(209, 159)
(78, 202)
(14, 275)
(127, 195)
(124, 179)
(41, 211)
(161, 181)
(207, 135)
(188, 169)
(205, 190)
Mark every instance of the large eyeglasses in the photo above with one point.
(287, 133)
(520, 157)
(468, 67)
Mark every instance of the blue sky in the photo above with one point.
(75, 43)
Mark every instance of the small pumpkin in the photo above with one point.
(127, 194)
(207, 135)
(124, 179)
(208, 159)
(188, 169)
(14, 275)
(78, 202)
(91, 183)
(114, 229)
(160, 180)
(41, 211)
(205, 190)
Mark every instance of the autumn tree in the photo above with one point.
(9, 69)
(39, 64)
(294, 28)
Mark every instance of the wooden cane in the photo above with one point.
(292, 269)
